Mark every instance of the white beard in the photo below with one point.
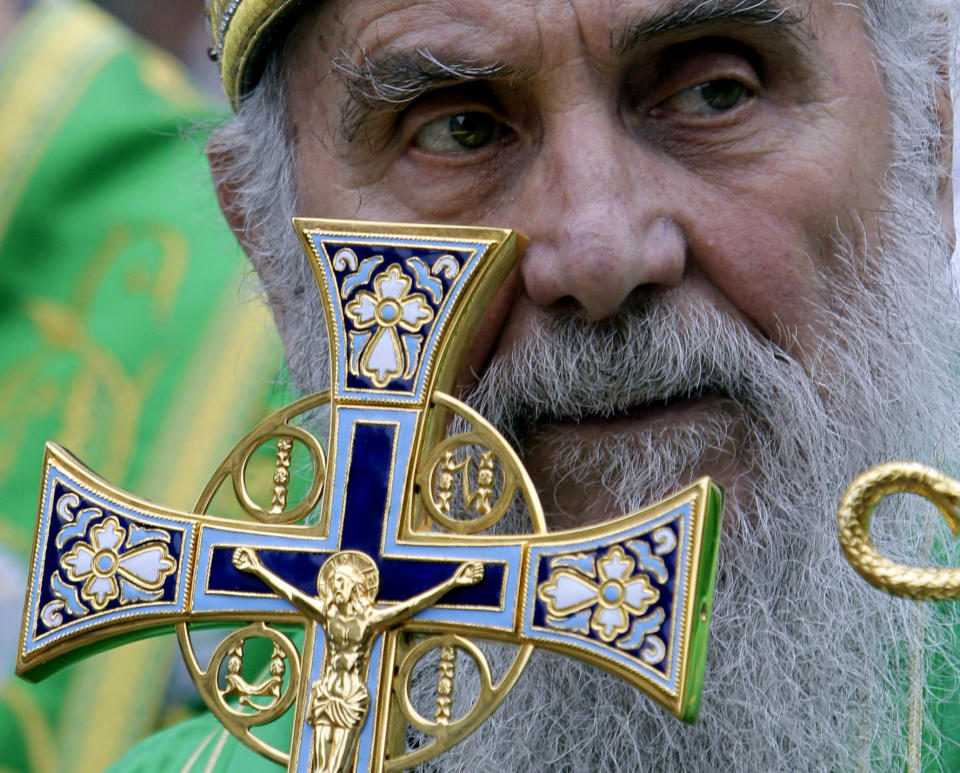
(808, 668)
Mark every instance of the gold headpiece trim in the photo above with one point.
(244, 33)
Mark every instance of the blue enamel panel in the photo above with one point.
(406, 570)
(299, 568)
(217, 581)
(371, 507)
(401, 423)
(434, 273)
(315, 659)
(365, 742)
(73, 528)
(366, 497)
(665, 567)
(494, 599)
(666, 590)
(365, 512)
(370, 494)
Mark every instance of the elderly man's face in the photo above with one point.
(712, 151)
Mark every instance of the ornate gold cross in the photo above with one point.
(394, 549)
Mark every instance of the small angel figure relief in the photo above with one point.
(347, 587)
(245, 692)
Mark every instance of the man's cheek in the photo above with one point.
(771, 241)
(762, 264)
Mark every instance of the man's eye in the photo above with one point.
(458, 133)
(709, 98)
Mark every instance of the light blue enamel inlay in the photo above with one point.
(42, 572)
(315, 658)
(346, 419)
(485, 618)
(210, 537)
(648, 562)
(424, 281)
(131, 593)
(69, 594)
(66, 506)
(611, 594)
(680, 585)
(78, 528)
(684, 514)
(43, 537)
(579, 623)
(139, 535)
(641, 628)
(362, 275)
(339, 331)
(509, 554)
(388, 311)
(365, 742)
(412, 345)
(358, 339)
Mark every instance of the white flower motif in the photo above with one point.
(617, 594)
(99, 562)
(390, 311)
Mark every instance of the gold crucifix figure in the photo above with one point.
(347, 586)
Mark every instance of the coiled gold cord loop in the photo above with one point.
(853, 518)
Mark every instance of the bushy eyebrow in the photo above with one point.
(390, 81)
(770, 15)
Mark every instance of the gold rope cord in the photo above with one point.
(853, 517)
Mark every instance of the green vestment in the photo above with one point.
(122, 335)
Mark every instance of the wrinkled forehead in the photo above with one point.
(523, 25)
(527, 31)
(523, 31)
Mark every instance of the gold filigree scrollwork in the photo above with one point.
(475, 460)
(438, 486)
(259, 702)
(853, 518)
(277, 426)
(445, 730)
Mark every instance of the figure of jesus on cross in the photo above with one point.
(347, 586)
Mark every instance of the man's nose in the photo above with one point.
(601, 222)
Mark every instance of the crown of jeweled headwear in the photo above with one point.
(244, 33)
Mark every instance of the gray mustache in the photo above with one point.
(654, 351)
